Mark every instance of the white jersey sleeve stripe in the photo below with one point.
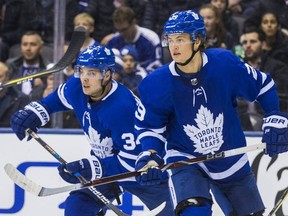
(62, 97)
(127, 155)
(150, 134)
(125, 165)
(159, 130)
(264, 77)
(266, 88)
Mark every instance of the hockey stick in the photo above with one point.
(39, 190)
(279, 203)
(76, 43)
(28, 185)
(98, 194)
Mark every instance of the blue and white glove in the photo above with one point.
(89, 168)
(147, 163)
(33, 116)
(275, 133)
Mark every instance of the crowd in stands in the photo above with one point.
(255, 30)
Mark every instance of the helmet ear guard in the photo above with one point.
(180, 22)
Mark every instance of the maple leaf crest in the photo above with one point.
(207, 135)
(101, 148)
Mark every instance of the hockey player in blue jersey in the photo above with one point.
(188, 109)
(105, 109)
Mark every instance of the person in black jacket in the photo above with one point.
(29, 62)
(11, 99)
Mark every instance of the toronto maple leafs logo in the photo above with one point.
(207, 135)
(101, 147)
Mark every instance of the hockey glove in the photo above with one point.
(33, 116)
(90, 168)
(275, 133)
(147, 163)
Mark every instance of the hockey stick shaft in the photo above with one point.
(81, 178)
(39, 190)
(223, 154)
(76, 43)
(279, 203)
(114, 178)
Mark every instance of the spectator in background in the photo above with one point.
(279, 7)
(145, 41)
(230, 23)
(276, 42)
(11, 99)
(29, 62)
(133, 73)
(251, 114)
(85, 20)
(102, 12)
(118, 73)
(217, 35)
(138, 7)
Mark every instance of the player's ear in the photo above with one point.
(108, 75)
(199, 42)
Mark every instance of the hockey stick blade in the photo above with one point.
(76, 43)
(28, 185)
(43, 191)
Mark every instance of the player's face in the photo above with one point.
(269, 25)
(180, 47)
(91, 79)
(251, 45)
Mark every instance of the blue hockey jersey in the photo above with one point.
(196, 114)
(108, 124)
(147, 44)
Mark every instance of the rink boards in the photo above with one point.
(41, 167)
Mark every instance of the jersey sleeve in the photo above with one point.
(152, 114)
(253, 84)
(59, 100)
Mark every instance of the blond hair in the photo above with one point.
(84, 16)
